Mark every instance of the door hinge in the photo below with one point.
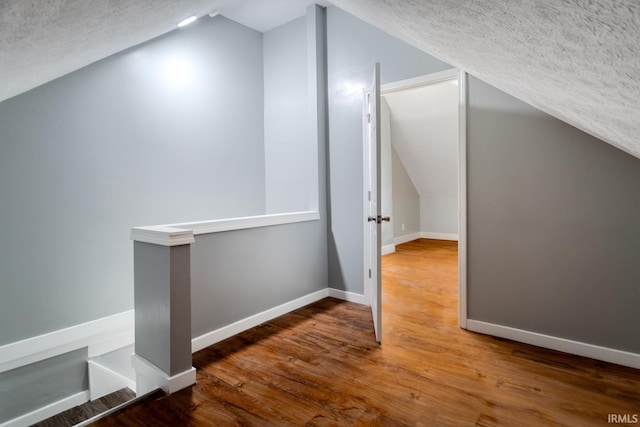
(369, 273)
(369, 195)
(368, 117)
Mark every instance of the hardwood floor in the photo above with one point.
(321, 366)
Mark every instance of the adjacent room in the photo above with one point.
(420, 167)
(420, 162)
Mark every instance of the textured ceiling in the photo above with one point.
(578, 60)
(41, 40)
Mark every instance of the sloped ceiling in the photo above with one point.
(42, 40)
(424, 132)
(578, 60)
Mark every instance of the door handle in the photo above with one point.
(378, 219)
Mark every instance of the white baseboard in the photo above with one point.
(388, 249)
(114, 332)
(438, 236)
(406, 238)
(104, 381)
(348, 296)
(213, 337)
(554, 343)
(242, 325)
(100, 336)
(50, 410)
(150, 377)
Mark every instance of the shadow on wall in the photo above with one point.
(336, 274)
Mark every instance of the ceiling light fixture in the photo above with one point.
(187, 21)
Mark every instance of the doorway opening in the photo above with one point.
(422, 169)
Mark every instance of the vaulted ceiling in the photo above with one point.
(578, 60)
(43, 40)
(424, 132)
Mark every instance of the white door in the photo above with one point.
(374, 217)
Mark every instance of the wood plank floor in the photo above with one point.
(321, 366)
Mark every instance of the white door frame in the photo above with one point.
(430, 79)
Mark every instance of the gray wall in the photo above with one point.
(28, 388)
(289, 152)
(163, 306)
(406, 201)
(157, 134)
(353, 48)
(439, 214)
(554, 225)
(240, 273)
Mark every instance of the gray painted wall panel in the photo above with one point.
(240, 273)
(162, 306)
(353, 48)
(289, 152)
(125, 142)
(406, 201)
(180, 294)
(31, 387)
(152, 303)
(554, 225)
(439, 214)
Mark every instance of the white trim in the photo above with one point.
(462, 199)
(116, 341)
(220, 334)
(429, 79)
(241, 223)
(104, 381)
(366, 181)
(438, 236)
(48, 411)
(101, 336)
(162, 235)
(182, 233)
(150, 377)
(560, 344)
(349, 296)
(388, 249)
(242, 325)
(406, 238)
